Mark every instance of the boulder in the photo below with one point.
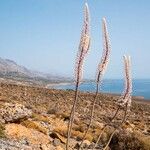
(19, 132)
(86, 143)
(47, 147)
(56, 142)
(13, 145)
(59, 148)
(11, 112)
(56, 135)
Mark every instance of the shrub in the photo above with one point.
(129, 141)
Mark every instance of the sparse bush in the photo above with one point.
(129, 141)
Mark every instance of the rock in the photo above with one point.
(56, 142)
(14, 112)
(13, 145)
(146, 131)
(99, 124)
(76, 120)
(86, 143)
(19, 132)
(73, 143)
(38, 125)
(59, 148)
(130, 130)
(47, 147)
(91, 145)
(58, 136)
(130, 124)
(2, 120)
(77, 146)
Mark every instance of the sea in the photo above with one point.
(141, 87)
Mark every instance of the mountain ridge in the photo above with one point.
(9, 69)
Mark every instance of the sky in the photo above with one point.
(44, 35)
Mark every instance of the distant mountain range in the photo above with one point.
(9, 69)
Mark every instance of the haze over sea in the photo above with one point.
(141, 87)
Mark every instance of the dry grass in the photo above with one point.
(35, 125)
(40, 117)
(130, 141)
(75, 134)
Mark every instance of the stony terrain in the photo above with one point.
(33, 118)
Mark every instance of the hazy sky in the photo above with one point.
(44, 34)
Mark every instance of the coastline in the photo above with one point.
(137, 98)
(52, 85)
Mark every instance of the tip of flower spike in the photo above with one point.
(129, 57)
(124, 56)
(86, 5)
(104, 19)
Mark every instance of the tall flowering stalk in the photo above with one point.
(124, 101)
(82, 52)
(100, 71)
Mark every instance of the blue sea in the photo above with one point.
(140, 87)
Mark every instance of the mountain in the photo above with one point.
(9, 69)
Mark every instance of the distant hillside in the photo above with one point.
(10, 70)
(9, 67)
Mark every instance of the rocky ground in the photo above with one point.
(33, 118)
